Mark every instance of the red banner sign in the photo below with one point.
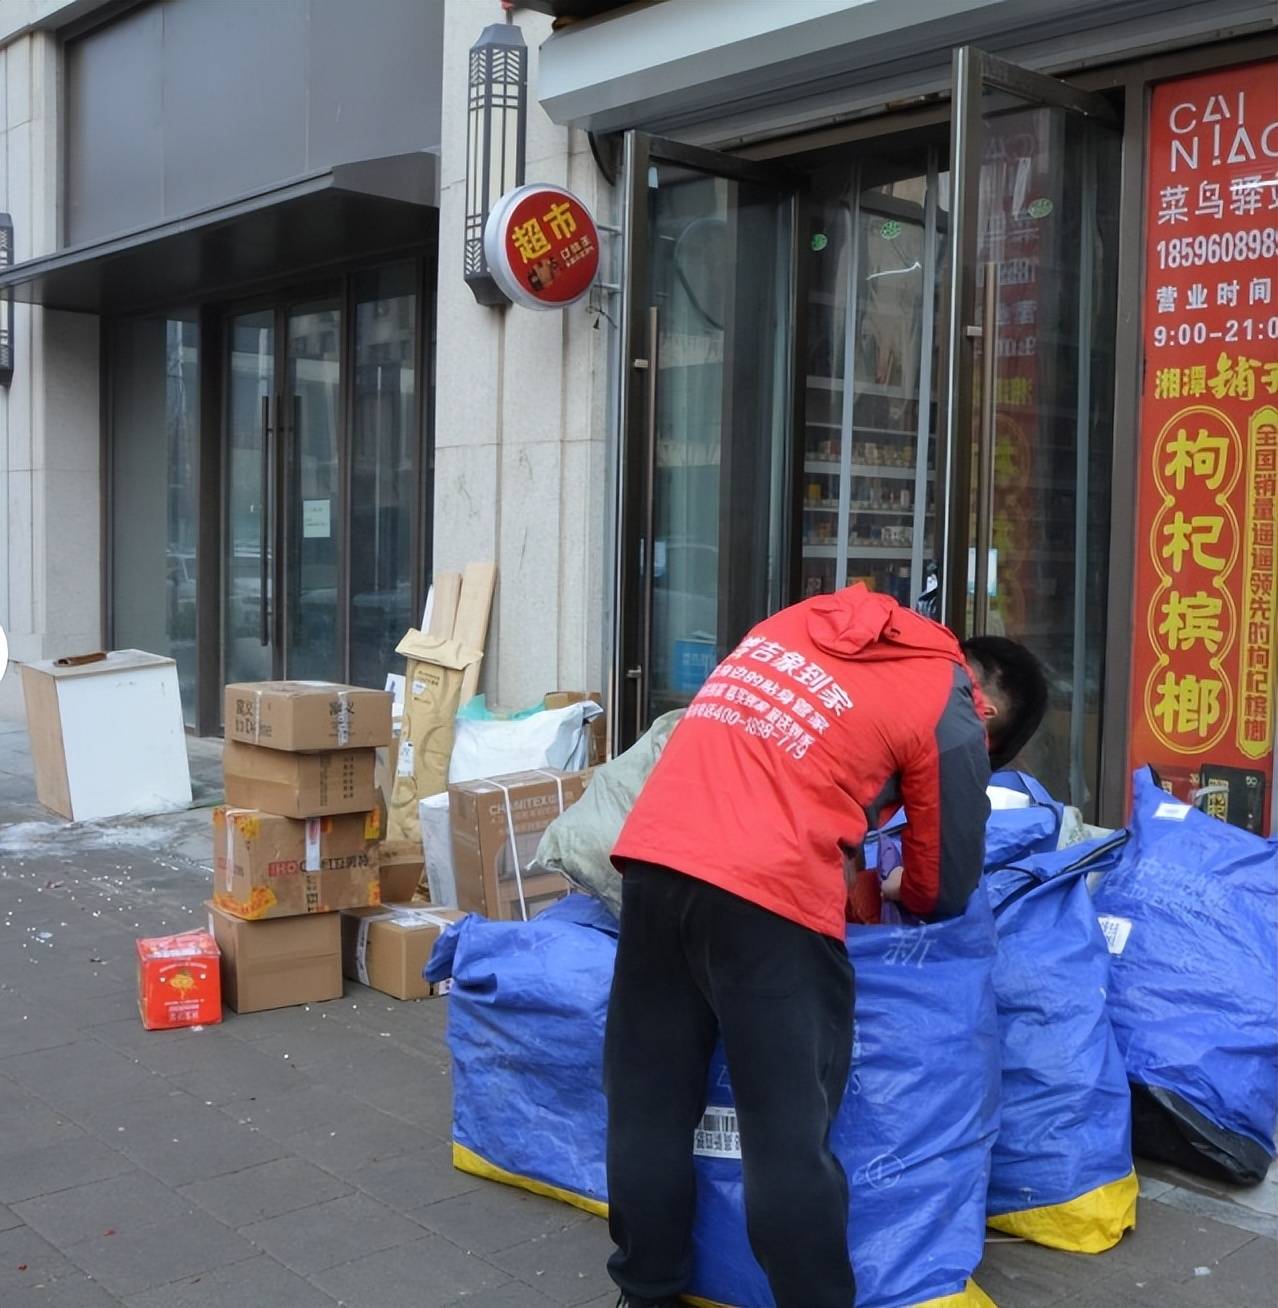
(542, 247)
(1206, 608)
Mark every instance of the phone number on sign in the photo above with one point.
(1219, 247)
(1235, 329)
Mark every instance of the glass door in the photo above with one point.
(1029, 389)
(874, 244)
(706, 417)
(250, 550)
(282, 557)
(313, 520)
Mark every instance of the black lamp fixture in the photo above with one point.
(496, 124)
(6, 302)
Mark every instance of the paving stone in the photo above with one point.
(74, 1291)
(569, 1266)
(27, 1124)
(70, 1076)
(168, 1052)
(222, 1074)
(46, 1169)
(256, 1283)
(409, 1182)
(182, 1140)
(365, 1137)
(1126, 1291)
(8, 1220)
(428, 1273)
(514, 1294)
(269, 1190)
(1171, 1243)
(27, 1261)
(31, 1031)
(306, 1109)
(330, 1233)
(1247, 1276)
(132, 1261)
(490, 1218)
(121, 1204)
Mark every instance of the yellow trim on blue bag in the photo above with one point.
(970, 1296)
(1092, 1223)
(467, 1160)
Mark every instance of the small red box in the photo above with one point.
(179, 981)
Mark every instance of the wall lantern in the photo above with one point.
(496, 120)
(6, 302)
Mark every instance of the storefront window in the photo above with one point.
(155, 436)
(384, 446)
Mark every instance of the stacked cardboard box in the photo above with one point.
(298, 838)
(497, 824)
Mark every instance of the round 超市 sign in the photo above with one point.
(542, 246)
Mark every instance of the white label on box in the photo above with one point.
(317, 519)
(1172, 810)
(312, 862)
(1115, 930)
(718, 1135)
(419, 689)
(417, 917)
(404, 767)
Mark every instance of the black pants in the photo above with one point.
(694, 963)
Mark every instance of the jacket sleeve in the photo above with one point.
(943, 787)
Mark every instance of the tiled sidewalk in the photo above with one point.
(300, 1158)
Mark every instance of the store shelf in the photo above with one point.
(883, 470)
(879, 552)
(823, 467)
(820, 551)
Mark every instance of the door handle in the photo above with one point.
(985, 452)
(642, 687)
(264, 526)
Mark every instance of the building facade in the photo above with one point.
(876, 303)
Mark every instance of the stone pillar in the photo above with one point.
(521, 417)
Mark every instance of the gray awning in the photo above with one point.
(355, 210)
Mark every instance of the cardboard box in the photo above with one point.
(299, 785)
(307, 715)
(275, 964)
(433, 690)
(107, 735)
(265, 865)
(483, 815)
(402, 870)
(178, 981)
(387, 948)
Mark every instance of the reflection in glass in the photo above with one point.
(248, 551)
(314, 512)
(155, 396)
(719, 283)
(383, 470)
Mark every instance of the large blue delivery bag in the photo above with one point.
(1191, 914)
(914, 1134)
(525, 1027)
(1062, 1170)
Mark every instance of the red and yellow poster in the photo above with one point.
(1206, 611)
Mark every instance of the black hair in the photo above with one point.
(1017, 676)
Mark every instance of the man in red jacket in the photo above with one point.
(734, 913)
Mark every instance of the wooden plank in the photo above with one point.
(479, 581)
(443, 615)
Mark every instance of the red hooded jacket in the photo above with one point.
(827, 714)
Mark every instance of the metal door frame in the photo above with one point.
(637, 413)
(974, 72)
